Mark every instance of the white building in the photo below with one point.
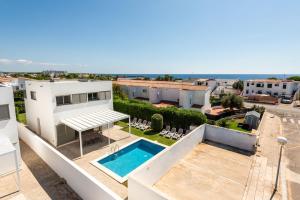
(16, 83)
(226, 82)
(184, 95)
(48, 104)
(210, 83)
(275, 88)
(8, 128)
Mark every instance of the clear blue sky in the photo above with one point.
(151, 36)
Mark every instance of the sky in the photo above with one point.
(151, 36)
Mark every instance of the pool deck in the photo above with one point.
(209, 171)
(97, 150)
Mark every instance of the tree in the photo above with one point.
(232, 101)
(118, 93)
(165, 78)
(294, 78)
(239, 85)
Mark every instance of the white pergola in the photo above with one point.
(94, 119)
(7, 148)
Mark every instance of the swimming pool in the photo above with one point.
(121, 163)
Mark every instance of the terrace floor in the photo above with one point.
(92, 152)
(210, 171)
(38, 181)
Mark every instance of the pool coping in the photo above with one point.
(113, 174)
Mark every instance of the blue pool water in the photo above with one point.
(126, 160)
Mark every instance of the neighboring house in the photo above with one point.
(16, 83)
(270, 87)
(8, 127)
(210, 83)
(226, 82)
(184, 95)
(225, 90)
(252, 118)
(49, 103)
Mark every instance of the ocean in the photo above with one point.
(215, 76)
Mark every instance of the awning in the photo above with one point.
(92, 120)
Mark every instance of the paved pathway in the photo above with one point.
(38, 181)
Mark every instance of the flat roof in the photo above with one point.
(270, 81)
(209, 171)
(161, 84)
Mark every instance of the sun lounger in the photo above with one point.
(176, 136)
(133, 121)
(147, 126)
(165, 131)
(137, 123)
(142, 124)
(171, 133)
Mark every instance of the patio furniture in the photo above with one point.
(171, 133)
(186, 132)
(133, 121)
(147, 126)
(142, 124)
(165, 131)
(137, 123)
(176, 136)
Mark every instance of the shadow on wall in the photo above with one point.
(54, 186)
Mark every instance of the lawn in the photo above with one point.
(21, 118)
(233, 124)
(146, 134)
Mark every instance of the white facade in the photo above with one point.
(8, 126)
(210, 83)
(189, 99)
(226, 82)
(48, 103)
(270, 87)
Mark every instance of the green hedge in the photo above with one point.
(176, 117)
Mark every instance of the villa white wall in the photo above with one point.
(229, 137)
(154, 95)
(185, 98)
(137, 91)
(140, 183)
(9, 129)
(252, 89)
(169, 94)
(85, 185)
(49, 114)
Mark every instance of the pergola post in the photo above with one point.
(80, 142)
(129, 126)
(108, 134)
(17, 168)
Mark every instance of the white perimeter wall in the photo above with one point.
(140, 183)
(229, 137)
(85, 185)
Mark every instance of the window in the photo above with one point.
(144, 90)
(108, 95)
(284, 86)
(259, 92)
(79, 98)
(105, 95)
(269, 85)
(93, 96)
(33, 95)
(276, 84)
(247, 91)
(252, 83)
(275, 93)
(259, 85)
(63, 100)
(248, 84)
(4, 112)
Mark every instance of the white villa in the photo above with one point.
(60, 111)
(210, 83)
(10, 157)
(184, 95)
(271, 87)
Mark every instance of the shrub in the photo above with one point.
(222, 122)
(172, 116)
(157, 122)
